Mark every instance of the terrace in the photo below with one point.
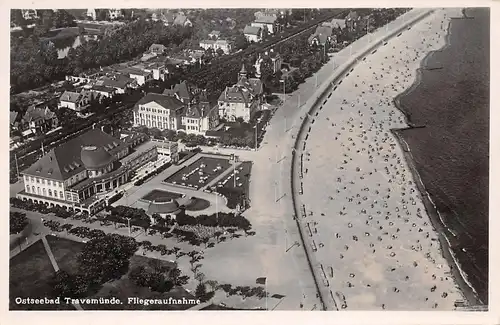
(199, 173)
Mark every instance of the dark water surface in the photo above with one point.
(451, 153)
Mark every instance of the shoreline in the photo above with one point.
(467, 289)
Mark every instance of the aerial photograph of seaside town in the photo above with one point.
(327, 159)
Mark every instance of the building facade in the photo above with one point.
(224, 45)
(241, 100)
(253, 33)
(81, 173)
(159, 111)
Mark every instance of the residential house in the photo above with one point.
(323, 36)
(200, 118)
(253, 33)
(266, 21)
(274, 57)
(352, 20)
(182, 92)
(242, 99)
(139, 75)
(103, 91)
(115, 13)
(157, 49)
(159, 111)
(182, 20)
(38, 120)
(224, 45)
(72, 100)
(118, 82)
(215, 34)
(29, 14)
(91, 13)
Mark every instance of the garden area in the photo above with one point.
(161, 196)
(199, 173)
(235, 187)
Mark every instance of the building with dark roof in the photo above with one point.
(38, 120)
(274, 58)
(253, 33)
(159, 111)
(79, 173)
(242, 99)
(323, 36)
(182, 107)
(266, 21)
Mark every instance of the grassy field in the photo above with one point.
(29, 276)
(161, 196)
(65, 252)
(209, 171)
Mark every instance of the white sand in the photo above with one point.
(357, 185)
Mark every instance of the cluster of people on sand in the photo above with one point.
(373, 190)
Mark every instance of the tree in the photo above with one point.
(16, 15)
(107, 257)
(18, 222)
(62, 18)
(201, 292)
(102, 14)
(217, 234)
(45, 23)
(240, 42)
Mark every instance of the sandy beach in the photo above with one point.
(368, 225)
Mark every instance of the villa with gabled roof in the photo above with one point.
(242, 99)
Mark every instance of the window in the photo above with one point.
(38, 190)
(61, 195)
(31, 179)
(50, 192)
(60, 184)
(27, 188)
(33, 189)
(38, 180)
(44, 192)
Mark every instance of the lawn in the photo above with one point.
(29, 274)
(125, 288)
(195, 176)
(197, 204)
(161, 196)
(65, 252)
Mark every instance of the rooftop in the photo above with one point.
(251, 30)
(64, 161)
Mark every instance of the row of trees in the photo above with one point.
(221, 219)
(34, 64)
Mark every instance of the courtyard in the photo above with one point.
(200, 173)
